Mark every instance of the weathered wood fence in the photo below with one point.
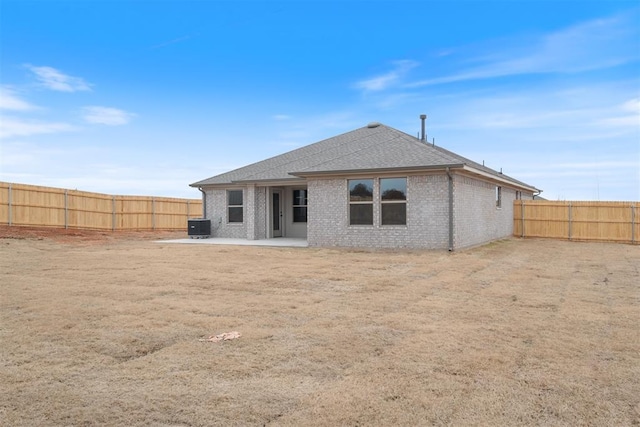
(31, 205)
(585, 221)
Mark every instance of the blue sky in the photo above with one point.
(145, 97)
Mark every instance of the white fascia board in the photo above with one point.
(257, 183)
(497, 178)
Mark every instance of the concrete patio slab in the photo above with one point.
(277, 242)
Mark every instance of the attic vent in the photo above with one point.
(373, 125)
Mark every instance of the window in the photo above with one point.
(299, 205)
(393, 201)
(361, 202)
(498, 197)
(234, 206)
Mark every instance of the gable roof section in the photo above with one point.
(365, 149)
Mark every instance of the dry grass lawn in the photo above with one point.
(105, 331)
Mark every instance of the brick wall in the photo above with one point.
(261, 213)
(254, 225)
(477, 220)
(427, 216)
(217, 213)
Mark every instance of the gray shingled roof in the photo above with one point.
(368, 148)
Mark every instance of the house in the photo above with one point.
(374, 187)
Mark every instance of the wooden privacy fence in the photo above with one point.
(31, 205)
(588, 221)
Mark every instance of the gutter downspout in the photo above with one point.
(204, 202)
(450, 209)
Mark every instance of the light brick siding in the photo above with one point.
(477, 220)
(427, 216)
(261, 213)
(255, 214)
(253, 225)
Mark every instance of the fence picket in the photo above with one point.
(633, 223)
(577, 220)
(31, 205)
(10, 213)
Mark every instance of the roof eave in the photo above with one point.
(498, 178)
(269, 181)
(260, 182)
(308, 174)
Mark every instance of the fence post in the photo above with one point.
(633, 223)
(188, 210)
(66, 209)
(522, 211)
(153, 213)
(569, 220)
(113, 213)
(10, 206)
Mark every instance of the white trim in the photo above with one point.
(492, 177)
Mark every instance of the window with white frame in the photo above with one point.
(361, 201)
(300, 205)
(498, 197)
(234, 206)
(393, 201)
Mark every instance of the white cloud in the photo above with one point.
(54, 79)
(11, 126)
(564, 113)
(612, 165)
(605, 179)
(106, 116)
(100, 168)
(632, 105)
(386, 80)
(9, 101)
(592, 45)
(628, 115)
(281, 117)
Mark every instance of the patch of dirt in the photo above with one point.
(72, 236)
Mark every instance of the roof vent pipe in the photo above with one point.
(423, 137)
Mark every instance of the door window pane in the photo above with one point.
(275, 211)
